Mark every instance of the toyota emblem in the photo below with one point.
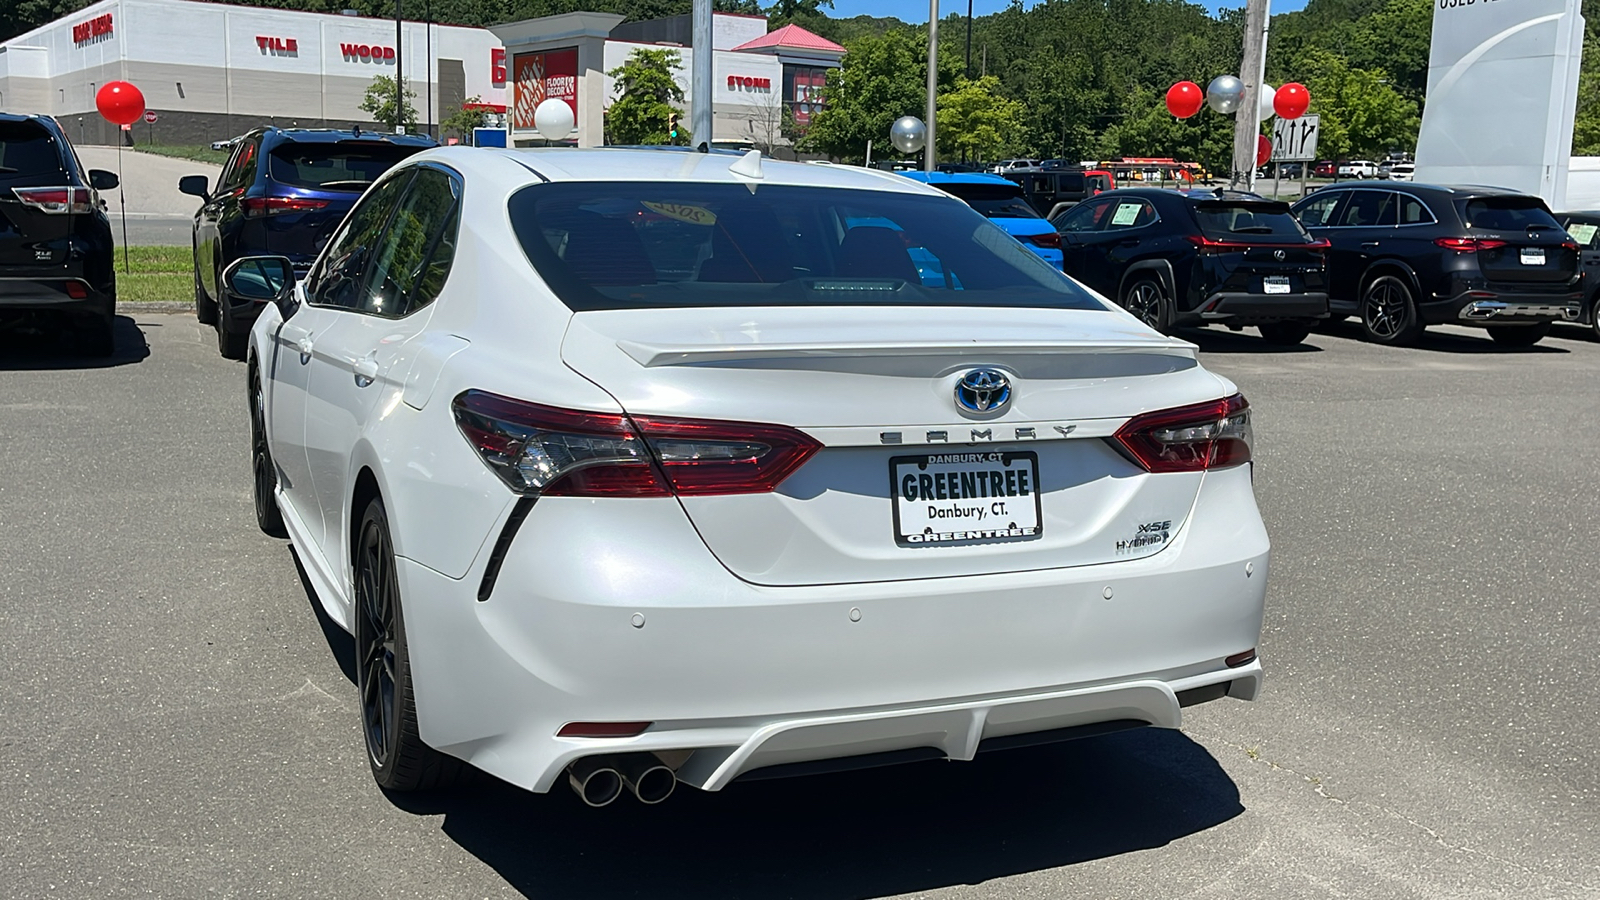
(983, 391)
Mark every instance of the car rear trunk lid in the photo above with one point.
(29, 158)
(1519, 240)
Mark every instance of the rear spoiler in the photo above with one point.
(652, 355)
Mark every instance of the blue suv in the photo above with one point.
(282, 193)
(1003, 203)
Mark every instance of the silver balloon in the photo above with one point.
(908, 134)
(1224, 94)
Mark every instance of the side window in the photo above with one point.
(403, 261)
(1131, 214)
(242, 172)
(1086, 216)
(339, 275)
(1318, 212)
(1413, 211)
(1368, 209)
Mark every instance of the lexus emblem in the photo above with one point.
(1279, 255)
(983, 391)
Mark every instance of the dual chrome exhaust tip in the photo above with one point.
(599, 780)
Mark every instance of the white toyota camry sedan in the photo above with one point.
(630, 468)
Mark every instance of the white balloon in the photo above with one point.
(908, 134)
(1267, 93)
(1224, 94)
(553, 119)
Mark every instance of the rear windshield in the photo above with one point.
(996, 201)
(1507, 214)
(643, 245)
(28, 151)
(1256, 220)
(345, 166)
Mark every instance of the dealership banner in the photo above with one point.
(540, 76)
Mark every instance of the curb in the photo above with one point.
(158, 306)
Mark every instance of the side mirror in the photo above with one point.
(101, 180)
(263, 279)
(196, 185)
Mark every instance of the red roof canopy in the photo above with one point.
(792, 36)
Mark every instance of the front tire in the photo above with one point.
(400, 761)
(1148, 302)
(1285, 333)
(264, 471)
(1519, 335)
(205, 309)
(1389, 312)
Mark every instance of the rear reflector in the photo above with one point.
(545, 450)
(76, 290)
(56, 201)
(255, 207)
(1189, 438)
(1241, 659)
(603, 729)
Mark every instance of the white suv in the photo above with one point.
(1358, 168)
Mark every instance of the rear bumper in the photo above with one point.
(1254, 308)
(1480, 305)
(19, 294)
(595, 619)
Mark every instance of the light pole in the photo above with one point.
(933, 80)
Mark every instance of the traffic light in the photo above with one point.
(674, 126)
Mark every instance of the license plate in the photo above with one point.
(1275, 284)
(962, 498)
(1533, 256)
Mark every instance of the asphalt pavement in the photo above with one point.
(179, 721)
(156, 214)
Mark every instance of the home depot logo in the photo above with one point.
(367, 53)
(93, 31)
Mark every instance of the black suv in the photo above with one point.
(1053, 191)
(1198, 257)
(55, 240)
(1584, 229)
(282, 193)
(1405, 256)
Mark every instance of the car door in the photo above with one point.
(365, 348)
(1366, 229)
(1078, 226)
(1585, 230)
(1110, 249)
(1319, 215)
(219, 207)
(334, 281)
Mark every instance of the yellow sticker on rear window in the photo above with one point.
(1127, 213)
(694, 215)
(1581, 233)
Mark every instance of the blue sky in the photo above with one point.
(917, 10)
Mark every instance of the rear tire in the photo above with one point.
(1148, 302)
(1389, 312)
(1518, 335)
(97, 338)
(1594, 316)
(1286, 333)
(400, 761)
(264, 471)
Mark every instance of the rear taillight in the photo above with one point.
(1468, 245)
(57, 201)
(1321, 246)
(545, 450)
(1570, 245)
(255, 207)
(1189, 438)
(1049, 239)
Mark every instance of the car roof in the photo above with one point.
(1459, 190)
(937, 178)
(1196, 194)
(336, 135)
(517, 168)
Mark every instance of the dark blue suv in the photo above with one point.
(282, 193)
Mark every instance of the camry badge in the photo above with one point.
(983, 391)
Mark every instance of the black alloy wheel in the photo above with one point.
(268, 517)
(1519, 335)
(1286, 333)
(400, 760)
(1389, 312)
(1148, 302)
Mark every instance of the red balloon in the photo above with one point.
(120, 102)
(1263, 150)
(1291, 101)
(1184, 99)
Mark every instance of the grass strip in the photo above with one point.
(155, 275)
(198, 153)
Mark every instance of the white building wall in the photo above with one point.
(735, 107)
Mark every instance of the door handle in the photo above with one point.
(304, 345)
(1369, 245)
(366, 370)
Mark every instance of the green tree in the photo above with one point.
(648, 96)
(882, 79)
(461, 122)
(1362, 114)
(975, 123)
(379, 103)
